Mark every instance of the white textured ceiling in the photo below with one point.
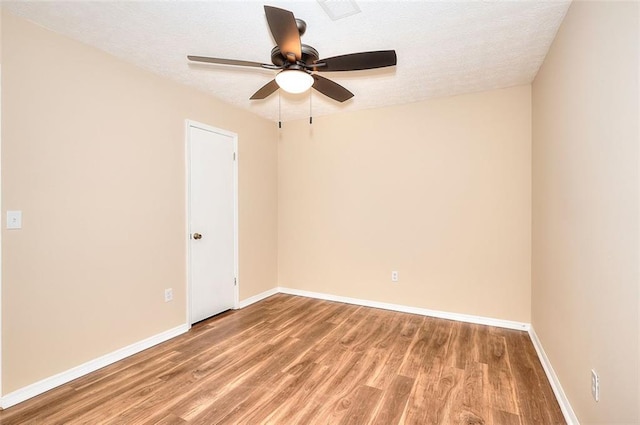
(444, 47)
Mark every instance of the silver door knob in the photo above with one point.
(197, 236)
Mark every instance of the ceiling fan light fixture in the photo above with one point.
(294, 81)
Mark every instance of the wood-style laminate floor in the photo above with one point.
(294, 360)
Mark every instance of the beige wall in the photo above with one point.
(439, 191)
(585, 209)
(93, 154)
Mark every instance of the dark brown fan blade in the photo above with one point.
(358, 61)
(333, 90)
(226, 61)
(265, 91)
(283, 27)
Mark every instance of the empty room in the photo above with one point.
(320, 212)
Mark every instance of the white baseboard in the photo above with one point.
(414, 310)
(563, 401)
(251, 300)
(47, 384)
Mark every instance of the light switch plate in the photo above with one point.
(14, 219)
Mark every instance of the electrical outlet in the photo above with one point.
(168, 295)
(14, 219)
(595, 385)
(394, 276)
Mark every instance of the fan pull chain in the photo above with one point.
(310, 114)
(279, 111)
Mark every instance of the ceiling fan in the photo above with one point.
(298, 63)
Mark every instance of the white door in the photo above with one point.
(212, 220)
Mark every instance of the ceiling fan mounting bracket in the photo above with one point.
(302, 26)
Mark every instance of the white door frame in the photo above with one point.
(189, 124)
(1, 265)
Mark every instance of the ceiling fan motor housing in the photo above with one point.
(309, 56)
